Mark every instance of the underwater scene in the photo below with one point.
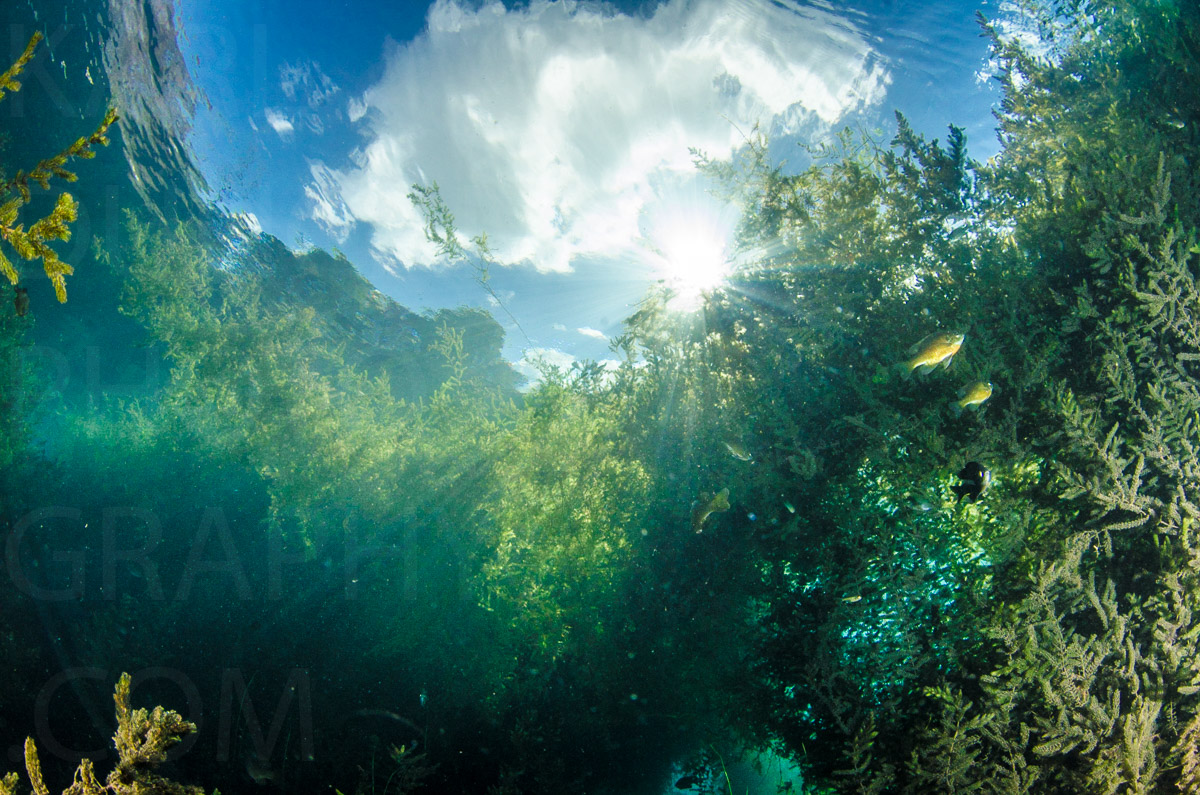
(565, 396)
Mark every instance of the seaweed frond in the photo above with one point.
(31, 244)
(8, 80)
(34, 768)
(142, 740)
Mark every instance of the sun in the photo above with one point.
(695, 259)
(691, 238)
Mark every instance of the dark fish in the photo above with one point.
(975, 479)
(261, 771)
(21, 302)
(687, 782)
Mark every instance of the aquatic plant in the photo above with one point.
(1111, 644)
(1093, 684)
(532, 563)
(33, 243)
(259, 378)
(566, 510)
(440, 230)
(1077, 651)
(142, 740)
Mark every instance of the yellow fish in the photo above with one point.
(934, 350)
(702, 508)
(972, 397)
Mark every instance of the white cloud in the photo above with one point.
(591, 332)
(1014, 24)
(500, 299)
(309, 89)
(355, 109)
(250, 222)
(307, 83)
(326, 205)
(549, 126)
(535, 359)
(280, 123)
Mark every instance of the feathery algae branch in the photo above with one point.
(142, 739)
(33, 243)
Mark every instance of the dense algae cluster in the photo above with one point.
(529, 587)
(142, 741)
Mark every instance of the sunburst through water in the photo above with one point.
(689, 245)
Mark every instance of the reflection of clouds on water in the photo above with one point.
(307, 83)
(1013, 24)
(546, 125)
(326, 204)
(537, 359)
(355, 109)
(157, 99)
(311, 90)
(279, 123)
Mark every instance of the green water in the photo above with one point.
(340, 538)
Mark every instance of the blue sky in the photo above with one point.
(561, 129)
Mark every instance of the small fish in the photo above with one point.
(703, 508)
(975, 479)
(971, 397)
(261, 771)
(852, 599)
(934, 350)
(791, 508)
(21, 302)
(737, 450)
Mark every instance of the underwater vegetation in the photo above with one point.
(142, 740)
(1041, 638)
(32, 244)
(897, 589)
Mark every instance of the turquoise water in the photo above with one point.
(850, 451)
